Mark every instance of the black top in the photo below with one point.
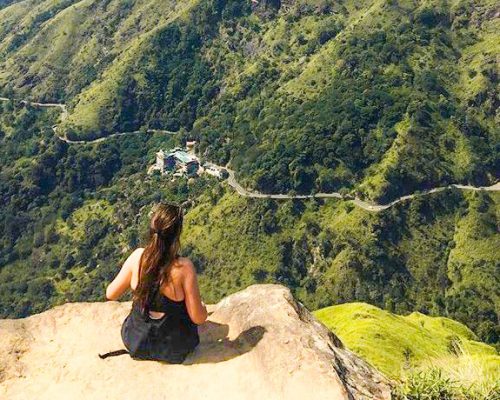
(169, 338)
(162, 303)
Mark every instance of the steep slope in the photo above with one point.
(53, 49)
(380, 98)
(394, 343)
(258, 343)
(430, 254)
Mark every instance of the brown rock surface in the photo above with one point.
(259, 343)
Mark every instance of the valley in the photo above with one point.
(361, 142)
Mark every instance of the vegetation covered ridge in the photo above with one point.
(378, 98)
(369, 206)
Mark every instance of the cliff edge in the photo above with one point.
(258, 343)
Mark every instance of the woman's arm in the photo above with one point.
(196, 308)
(122, 281)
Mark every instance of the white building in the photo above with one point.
(160, 160)
(177, 159)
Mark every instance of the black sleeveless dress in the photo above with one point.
(169, 338)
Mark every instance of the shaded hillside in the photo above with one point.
(382, 98)
(53, 49)
(435, 254)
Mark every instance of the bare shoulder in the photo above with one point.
(186, 265)
(137, 253)
(135, 257)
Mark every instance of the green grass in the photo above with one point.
(410, 257)
(400, 346)
(74, 228)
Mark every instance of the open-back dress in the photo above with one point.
(169, 338)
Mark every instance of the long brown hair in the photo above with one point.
(164, 243)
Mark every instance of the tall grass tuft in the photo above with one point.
(459, 376)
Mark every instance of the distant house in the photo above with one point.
(164, 161)
(187, 162)
(177, 159)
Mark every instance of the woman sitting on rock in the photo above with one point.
(167, 306)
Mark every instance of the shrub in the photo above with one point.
(428, 385)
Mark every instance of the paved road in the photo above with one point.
(358, 202)
(104, 138)
(64, 115)
(64, 111)
(231, 180)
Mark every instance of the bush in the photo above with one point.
(428, 385)
(436, 384)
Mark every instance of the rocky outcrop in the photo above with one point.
(259, 343)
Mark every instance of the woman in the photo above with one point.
(166, 306)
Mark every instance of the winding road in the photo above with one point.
(231, 180)
(102, 139)
(64, 111)
(360, 203)
(64, 115)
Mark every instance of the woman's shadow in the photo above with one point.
(215, 346)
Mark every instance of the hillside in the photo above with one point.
(278, 351)
(71, 215)
(404, 347)
(435, 254)
(394, 343)
(376, 98)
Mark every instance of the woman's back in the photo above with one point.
(167, 304)
(167, 333)
(169, 338)
(170, 293)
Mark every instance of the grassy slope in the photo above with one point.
(403, 259)
(77, 41)
(395, 343)
(292, 68)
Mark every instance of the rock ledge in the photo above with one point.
(259, 343)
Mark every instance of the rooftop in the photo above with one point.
(183, 156)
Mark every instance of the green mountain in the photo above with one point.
(380, 98)
(414, 347)
(370, 98)
(435, 254)
(72, 213)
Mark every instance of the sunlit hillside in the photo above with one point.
(373, 97)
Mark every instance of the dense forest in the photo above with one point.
(373, 98)
(71, 214)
